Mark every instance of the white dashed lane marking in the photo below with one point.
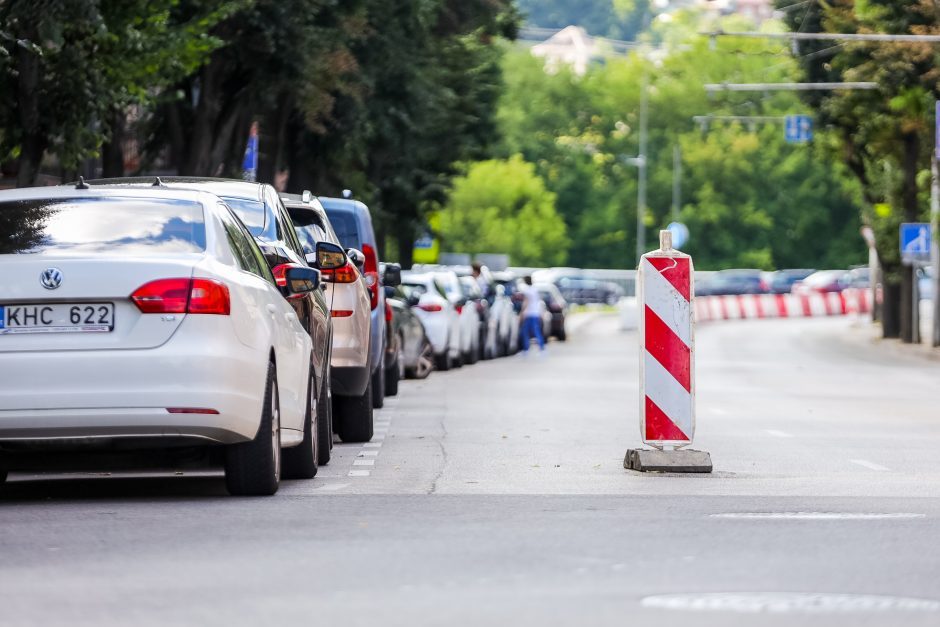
(364, 462)
(332, 487)
(368, 453)
(359, 473)
(870, 465)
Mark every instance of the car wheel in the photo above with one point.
(325, 423)
(378, 387)
(442, 361)
(393, 374)
(254, 468)
(300, 462)
(426, 363)
(457, 360)
(562, 335)
(355, 416)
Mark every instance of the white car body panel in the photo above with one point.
(120, 384)
(350, 333)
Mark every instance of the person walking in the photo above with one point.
(531, 316)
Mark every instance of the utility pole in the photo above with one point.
(676, 182)
(641, 166)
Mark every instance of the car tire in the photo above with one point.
(378, 388)
(393, 374)
(426, 363)
(442, 362)
(301, 461)
(254, 468)
(355, 412)
(325, 423)
(562, 335)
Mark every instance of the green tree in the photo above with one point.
(502, 206)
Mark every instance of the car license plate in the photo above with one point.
(57, 318)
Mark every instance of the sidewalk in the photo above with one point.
(864, 331)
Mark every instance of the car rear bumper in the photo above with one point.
(349, 380)
(128, 393)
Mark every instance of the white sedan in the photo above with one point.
(438, 315)
(149, 317)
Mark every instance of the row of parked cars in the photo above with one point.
(218, 320)
(797, 281)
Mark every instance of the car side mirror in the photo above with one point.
(413, 300)
(329, 256)
(389, 291)
(392, 275)
(356, 256)
(296, 280)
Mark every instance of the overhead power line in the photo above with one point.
(829, 36)
(712, 87)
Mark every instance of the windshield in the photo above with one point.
(344, 223)
(251, 213)
(101, 226)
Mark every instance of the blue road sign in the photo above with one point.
(915, 242)
(680, 234)
(798, 129)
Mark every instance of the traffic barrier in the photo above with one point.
(746, 306)
(667, 363)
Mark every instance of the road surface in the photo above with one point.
(495, 494)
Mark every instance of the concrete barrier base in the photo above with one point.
(654, 460)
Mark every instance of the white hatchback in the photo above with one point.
(149, 317)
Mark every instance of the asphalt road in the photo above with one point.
(495, 494)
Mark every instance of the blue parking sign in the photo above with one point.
(798, 129)
(915, 242)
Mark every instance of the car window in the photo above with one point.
(245, 249)
(103, 226)
(344, 223)
(250, 212)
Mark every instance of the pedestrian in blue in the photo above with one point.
(531, 316)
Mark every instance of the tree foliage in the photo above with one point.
(503, 206)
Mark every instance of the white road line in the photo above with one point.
(778, 434)
(815, 516)
(870, 465)
(368, 453)
(364, 462)
(332, 487)
(372, 445)
(359, 473)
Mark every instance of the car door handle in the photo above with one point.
(290, 316)
(272, 309)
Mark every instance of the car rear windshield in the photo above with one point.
(251, 213)
(344, 223)
(101, 226)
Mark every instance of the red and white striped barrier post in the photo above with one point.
(667, 363)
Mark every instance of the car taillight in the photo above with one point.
(430, 307)
(197, 296)
(388, 312)
(345, 274)
(459, 308)
(341, 313)
(372, 274)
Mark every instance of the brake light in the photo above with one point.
(430, 307)
(459, 308)
(197, 296)
(341, 313)
(345, 274)
(372, 274)
(388, 312)
(280, 277)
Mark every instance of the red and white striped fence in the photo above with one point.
(849, 301)
(667, 365)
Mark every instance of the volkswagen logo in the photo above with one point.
(51, 278)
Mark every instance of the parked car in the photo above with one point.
(469, 317)
(486, 334)
(415, 354)
(161, 325)
(258, 206)
(353, 225)
(349, 302)
(509, 284)
(556, 306)
(393, 363)
(730, 282)
(425, 295)
(501, 318)
(781, 281)
(821, 282)
(585, 291)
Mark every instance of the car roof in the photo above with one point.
(70, 191)
(233, 188)
(296, 201)
(343, 204)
